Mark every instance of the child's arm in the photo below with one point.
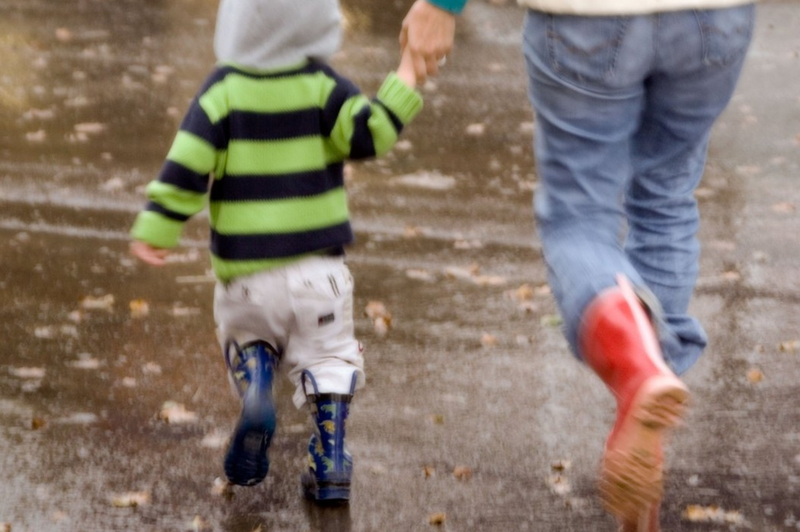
(181, 189)
(365, 128)
(406, 71)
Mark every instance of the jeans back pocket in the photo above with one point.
(726, 33)
(584, 50)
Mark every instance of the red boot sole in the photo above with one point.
(631, 480)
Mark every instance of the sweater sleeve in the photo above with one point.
(181, 189)
(454, 6)
(368, 128)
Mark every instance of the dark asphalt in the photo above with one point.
(474, 408)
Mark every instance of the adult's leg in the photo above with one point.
(695, 75)
(588, 88)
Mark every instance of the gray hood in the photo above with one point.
(270, 34)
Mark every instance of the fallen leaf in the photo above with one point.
(551, 320)
(489, 280)
(45, 332)
(222, 488)
(180, 311)
(139, 308)
(731, 276)
(755, 375)
(85, 361)
(523, 293)
(468, 244)
(426, 180)
(403, 145)
(543, 290)
(560, 465)
(5, 527)
(63, 34)
(712, 514)
(462, 473)
(105, 302)
(214, 440)
(90, 128)
(523, 340)
(199, 524)
(437, 419)
(376, 309)
(151, 368)
(28, 373)
(559, 484)
(420, 275)
(78, 418)
(784, 207)
(462, 272)
(412, 231)
(476, 130)
(36, 136)
(176, 414)
(791, 346)
(429, 471)
(488, 340)
(131, 499)
(437, 518)
(37, 423)
(113, 184)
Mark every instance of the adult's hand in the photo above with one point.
(428, 33)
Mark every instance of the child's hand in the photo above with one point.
(149, 254)
(406, 71)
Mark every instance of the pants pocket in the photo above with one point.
(726, 34)
(584, 50)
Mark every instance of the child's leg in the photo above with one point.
(322, 337)
(250, 315)
(326, 365)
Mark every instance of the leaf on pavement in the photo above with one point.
(131, 499)
(437, 519)
(712, 514)
(28, 373)
(754, 375)
(462, 472)
(105, 302)
(792, 346)
(139, 308)
(559, 484)
(176, 414)
(420, 275)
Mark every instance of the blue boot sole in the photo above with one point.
(325, 493)
(247, 461)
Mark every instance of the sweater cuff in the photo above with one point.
(453, 6)
(157, 230)
(399, 98)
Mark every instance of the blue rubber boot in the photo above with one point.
(330, 466)
(253, 369)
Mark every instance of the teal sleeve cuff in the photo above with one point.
(404, 101)
(454, 6)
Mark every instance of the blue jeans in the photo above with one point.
(624, 106)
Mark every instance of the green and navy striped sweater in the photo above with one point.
(265, 151)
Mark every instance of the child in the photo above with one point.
(264, 143)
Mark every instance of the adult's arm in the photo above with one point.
(428, 32)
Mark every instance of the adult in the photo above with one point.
(625, 94)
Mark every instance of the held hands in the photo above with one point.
(149, 254)
(427, 35)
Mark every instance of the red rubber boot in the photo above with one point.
(619, 343)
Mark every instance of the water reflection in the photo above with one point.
(328, 519)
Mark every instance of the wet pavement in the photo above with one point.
(474, 408)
